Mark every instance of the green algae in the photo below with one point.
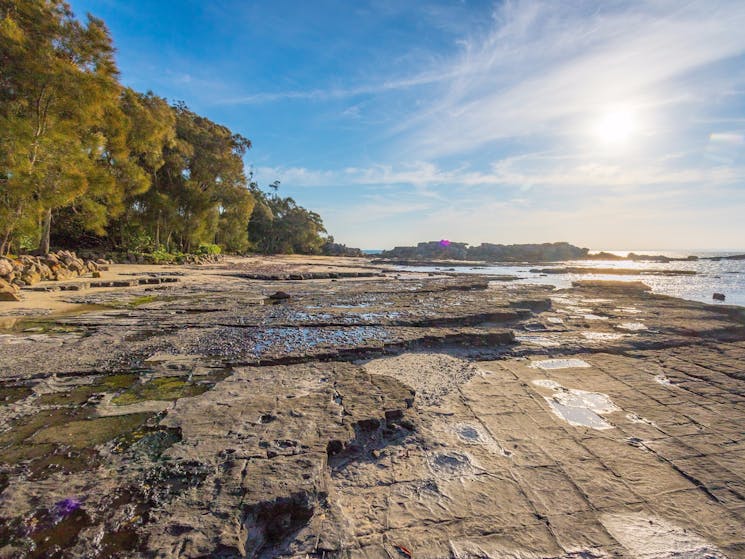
(47, 324)
(163, 388)
(168, 388)
(81, 394)
(87, 433)
(64, 440)
(11, 394)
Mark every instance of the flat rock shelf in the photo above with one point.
(369, 414)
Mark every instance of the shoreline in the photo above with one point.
(445, 414)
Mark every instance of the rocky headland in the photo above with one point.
(446, 252)
(318, 407)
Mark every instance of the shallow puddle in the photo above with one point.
(46, 324)
(451, 464)
(469, 433)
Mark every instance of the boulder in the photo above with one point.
(279, 295)
(718, 297)
(45, 272)
(6, 267)
(31, 277)
(50, 259)
(8, 292)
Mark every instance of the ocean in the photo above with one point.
(723, 276)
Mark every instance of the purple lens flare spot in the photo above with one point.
(67, 506)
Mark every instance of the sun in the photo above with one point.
(616, 126)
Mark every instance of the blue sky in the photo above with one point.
(608, 124)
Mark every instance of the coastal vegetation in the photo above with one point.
(86, 162)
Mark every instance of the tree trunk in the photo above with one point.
(46, 228)
(5, 246)
(157, 232)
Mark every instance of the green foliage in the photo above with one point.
(58, 93)
(85, 161)
(279, 225)
(208, 249)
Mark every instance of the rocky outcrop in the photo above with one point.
(153, 258)
(612, 271)
(28, 270)
(437, 250)
(610, 285)
(338, 249)
(432, 250)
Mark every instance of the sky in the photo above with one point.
(607, 124)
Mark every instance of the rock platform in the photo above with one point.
(379, 416)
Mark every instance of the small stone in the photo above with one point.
(279, 295)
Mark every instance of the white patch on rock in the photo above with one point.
(632, 326)
(546, 383)
(578, 407)
(651, 537)
(594, 401)
(578, 416)
(594, 317)
(542, 341)
(628, 310)
(549, 364)
(639, 419)
(555, 320)
(602, 336)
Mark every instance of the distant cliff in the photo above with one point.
(438, 250)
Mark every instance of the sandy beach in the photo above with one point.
(359, 411)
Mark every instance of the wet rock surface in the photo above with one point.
(443, 416)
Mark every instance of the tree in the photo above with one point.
(199, 194)
(279, 225)
(58, 83)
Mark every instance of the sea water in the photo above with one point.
(723, 276)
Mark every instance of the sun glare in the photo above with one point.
(615, 127)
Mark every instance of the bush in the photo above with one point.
(209, 249)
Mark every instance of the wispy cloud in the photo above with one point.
(523, 171)
(377, 87)
(545, 65)
(503, 125)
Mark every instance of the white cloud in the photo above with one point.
(520, 171)
(547, 63)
